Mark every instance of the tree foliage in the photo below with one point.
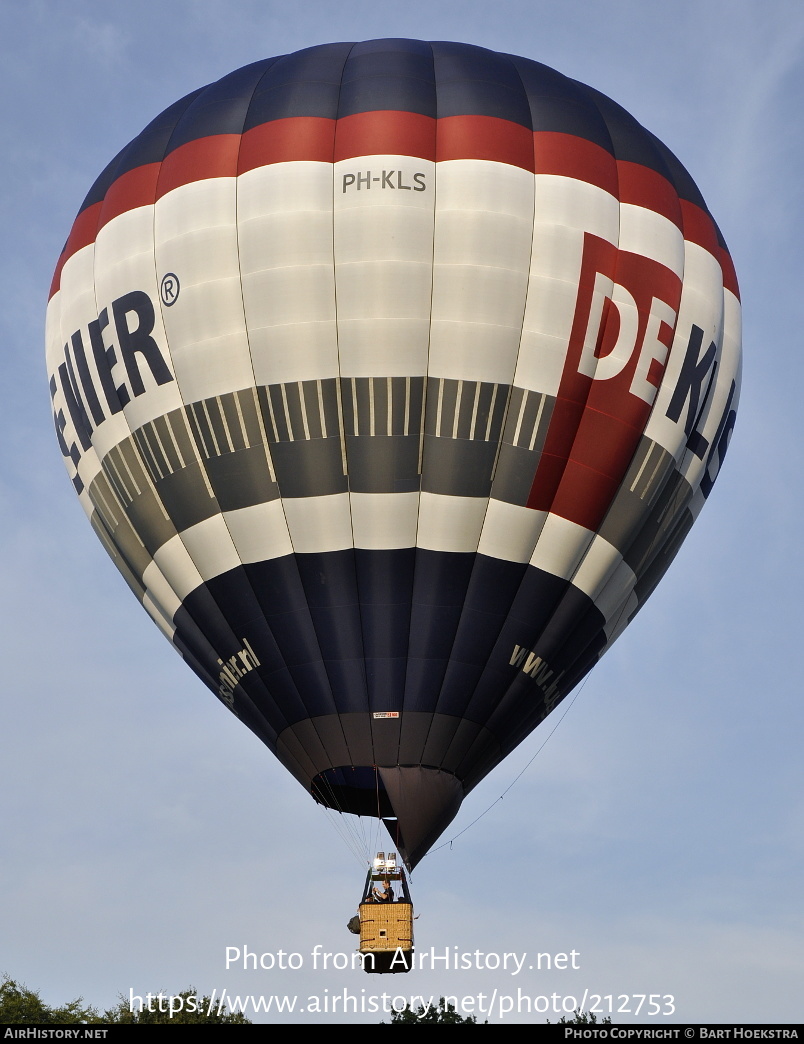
(177, 1009)
(21, 1006)
(582, 1018)
(442, 1014)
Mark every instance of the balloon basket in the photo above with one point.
(386, 934)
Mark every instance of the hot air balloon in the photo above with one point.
(392, 375)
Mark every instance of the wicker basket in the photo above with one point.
(386, 930)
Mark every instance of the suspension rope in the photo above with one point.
(355, 849)
(521, 773)
(351, 833)
(516, 779)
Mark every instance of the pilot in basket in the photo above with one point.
(386, 918)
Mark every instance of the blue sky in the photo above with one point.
(659, 833)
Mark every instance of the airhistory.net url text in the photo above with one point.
(488, 1005)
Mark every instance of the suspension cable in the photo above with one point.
(521, 773)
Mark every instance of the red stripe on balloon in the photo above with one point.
(700, 228)
(83, 232)
(729, 274)
(570, 157)
(646, 188)
(385, 133)
(299, 138)
(199, 160)
(135, 188)
(484, 138)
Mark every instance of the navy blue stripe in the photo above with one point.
(258, 710)
(307, 83)
(149, 146)
(284, 589)
(561, 105)
(631, 142)
(439, 593)
(415, 630)
(679, 176)
(104, 180)
(330, 586)
(425, 637)
(385, 583)
(541, 618)
(389, 75)
(221, 107)
(475, 82)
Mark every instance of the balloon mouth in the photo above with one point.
(416, 803)
(355, 789)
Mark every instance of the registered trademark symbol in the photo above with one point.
(169, 289)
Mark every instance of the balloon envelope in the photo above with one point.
(392, 375)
